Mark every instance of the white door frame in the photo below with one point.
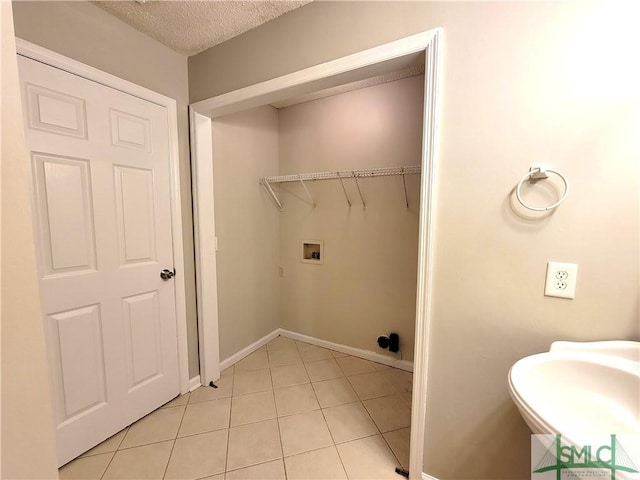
(40, 54)
(344, 69)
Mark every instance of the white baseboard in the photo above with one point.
(194, 383)
(428, 477)
(236, 357)
(356, 352)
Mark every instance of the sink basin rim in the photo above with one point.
(605, 355)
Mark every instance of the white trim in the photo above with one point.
(300, 82)
(204, 245)
(279, 88)
(53, 59)
(194, 383)
(179, 280)
(236, 357)
(338, 347)
(425, 257)
(356, 352)
(426, 476)
(40, 54)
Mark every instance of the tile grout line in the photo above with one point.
(248, 466)
(378, 432)
(277, 418)
(226, 456)
(344, 468)
(154, 442)
(113, 453)
(194, 434)
(381, 433)
(120, 448)
(335, 447)
(166, 467)
(393, 452)
(284, 465)
(361, 401)
(254, 422)
(272, 390)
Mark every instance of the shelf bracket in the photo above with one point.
(355, 177)
(271, 193)
(404, 184)
(308, 193)
(344, 189)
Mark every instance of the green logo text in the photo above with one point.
(561, 457)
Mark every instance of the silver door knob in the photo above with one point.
(167, 274)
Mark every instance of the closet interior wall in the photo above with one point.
(247, 227)
(366, 285)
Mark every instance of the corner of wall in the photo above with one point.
(28, 444)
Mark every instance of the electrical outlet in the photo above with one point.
(561, 280)
(560, 285)
(281, 271)
(562, 274)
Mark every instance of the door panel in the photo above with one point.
(130, 131)
(142, 337)
(81, 368)
(100, 166)
(135, 204)
(64, 202)
(56, 112)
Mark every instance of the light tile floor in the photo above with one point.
(290, 410)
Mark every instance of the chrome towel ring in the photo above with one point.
(538, 173)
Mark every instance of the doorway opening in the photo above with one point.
(421, 49)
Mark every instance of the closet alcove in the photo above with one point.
(375, 229)
(366, 285)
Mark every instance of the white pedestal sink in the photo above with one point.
(580, 388)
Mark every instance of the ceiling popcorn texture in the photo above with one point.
(189, 27)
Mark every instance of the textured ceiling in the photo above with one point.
(190, 27)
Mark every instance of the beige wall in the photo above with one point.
(245, 149)
(86, 33)
(27, 442)
(366, 285)
(522, 83)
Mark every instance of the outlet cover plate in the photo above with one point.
(561, 280)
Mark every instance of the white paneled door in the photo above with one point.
(100, 169)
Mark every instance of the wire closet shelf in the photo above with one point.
(339, 175)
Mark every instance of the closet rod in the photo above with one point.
(369, 172)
